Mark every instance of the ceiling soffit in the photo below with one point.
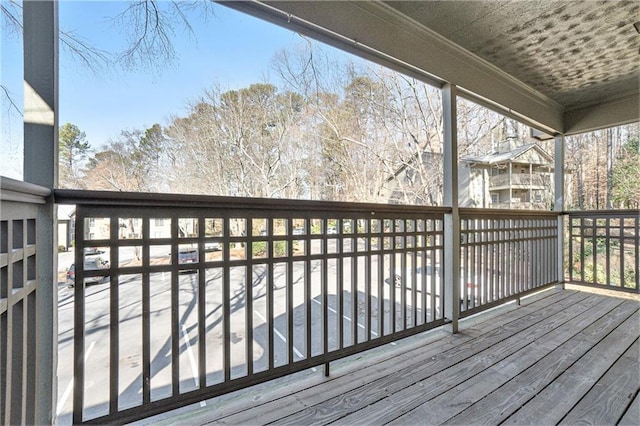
(567, 66)
(575, 52)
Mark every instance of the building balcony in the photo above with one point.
(283, 289)
(520, 205)
(519, 181)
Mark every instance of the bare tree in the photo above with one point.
(240, 143)
(133, 162)
(148, 24)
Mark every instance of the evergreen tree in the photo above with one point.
(73, 150)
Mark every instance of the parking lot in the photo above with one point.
(97, 326)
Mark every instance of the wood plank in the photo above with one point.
(247, 402)
(551, 404)
(500, 404)
(271, 406)
(276, 408)
(501, 364)
(607, 401)
(632, 416)
(422, 368)
(253, 397)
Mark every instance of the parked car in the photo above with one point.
(90, 264)
(473, 285)
(88, 251)
(215, 246)
(187, 255)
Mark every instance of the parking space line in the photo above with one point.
(192, 360)
(284, 339)
(69, 387)
(344, 316)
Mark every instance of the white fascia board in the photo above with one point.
(377, 32)
(611, 113)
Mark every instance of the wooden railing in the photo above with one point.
(603, 249)
(194, 297)
(19, 293)
(505, 255)
(184, 298)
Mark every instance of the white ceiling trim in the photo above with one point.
(285, 19)
(615, 112)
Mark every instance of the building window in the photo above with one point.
(495, 198)
(158, 221)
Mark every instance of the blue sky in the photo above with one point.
(229, 49)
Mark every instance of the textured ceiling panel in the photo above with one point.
(575, 52)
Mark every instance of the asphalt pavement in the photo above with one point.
(97, 328)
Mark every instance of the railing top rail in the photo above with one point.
(593, 213)
(142, 199)
(24, 192)
(474, 212)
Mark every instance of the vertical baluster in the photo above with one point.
(146, 317)
(114, 320)
(248, 295)
(325, 299)
(621, 220)
(636, 268)
(381, 278)
(354, 280)
(340, 284)
(78, 320)
(307, 287)
(367, 278)
(270, 299)
(392, 269)
(289, 287)
(226, 307)
(202, 304)
(175, 306)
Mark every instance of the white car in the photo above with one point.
(91, 263)
(208, 247)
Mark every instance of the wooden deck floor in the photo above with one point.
(564, 357)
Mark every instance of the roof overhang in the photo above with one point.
(391, 34)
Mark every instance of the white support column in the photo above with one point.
(510, 184)
(451, 220)
(558, 204)
(530, 186)
(40, 38)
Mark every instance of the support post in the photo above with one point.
(558, 205)
(40, 49)
(451, 220)
(510, 185)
